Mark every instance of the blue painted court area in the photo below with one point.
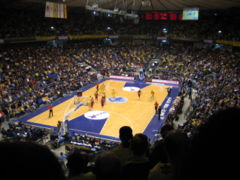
(84, 124)
(138, 84)
(157, 123)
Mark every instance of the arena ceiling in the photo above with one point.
(146, 4)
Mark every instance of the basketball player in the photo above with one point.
(103, 99)
(50, 110)
(103, 93)
(76, 99)
(79, 94)
(113, 93)
(104, 96)
(156, 106)
(152, 94)
(96, 95)
(91, 102)
(97, 87)
(102, 87)
(139, 93)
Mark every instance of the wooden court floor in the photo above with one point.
(136, 113)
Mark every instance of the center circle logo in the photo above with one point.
(131, 89)
(96, 115)
(117, 99)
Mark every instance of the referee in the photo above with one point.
(159, 112)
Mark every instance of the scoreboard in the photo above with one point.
(169, 15)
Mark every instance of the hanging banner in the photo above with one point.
(56, 10)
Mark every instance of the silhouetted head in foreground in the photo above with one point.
(21, 160)
(165, 130)
(177, 148)
(125, 135)
(139, 144)
(77, 163)
(107, 166)
(215, 148)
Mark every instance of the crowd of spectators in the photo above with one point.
(20, 132)
(213, 74)
(88, 143)
(35, 75)
(30, 23)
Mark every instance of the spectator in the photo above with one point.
(62, 159)
(1, 117)
(123, 151)
(214, 148)
(157, 152)
(137, 167)
(175, 147)
(161, 168)
(77, 165)
(28, 161)
(107, 166)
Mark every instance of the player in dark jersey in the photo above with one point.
(97, 87)
(139, 93)
(156, 106)
(103, 100)
(91, 102)
(159, 112)
(96, 95)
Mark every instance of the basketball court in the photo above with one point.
(124, 109)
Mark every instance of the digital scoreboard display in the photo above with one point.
(169, 15)
(190, 14)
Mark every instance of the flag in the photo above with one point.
(56, 10)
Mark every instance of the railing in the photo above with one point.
(128, 37)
